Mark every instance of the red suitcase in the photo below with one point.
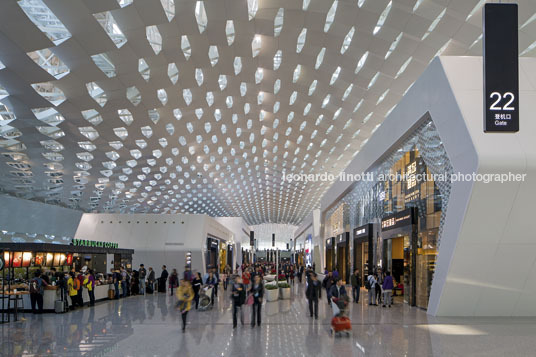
(341, 323)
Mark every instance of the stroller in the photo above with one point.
(205, 298)
(340, 323)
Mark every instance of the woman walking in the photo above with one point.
(197, 282)
(257, 290)
(185, 294)
(173, 280)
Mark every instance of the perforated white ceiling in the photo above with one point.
(200, 106)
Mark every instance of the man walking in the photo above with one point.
(355, 281)
(142, 274)
(313, 294)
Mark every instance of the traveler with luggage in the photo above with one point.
(37, 290)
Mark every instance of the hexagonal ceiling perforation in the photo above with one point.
(167, 106)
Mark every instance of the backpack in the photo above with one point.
(35, 287)
(367, 284)
(76, 284)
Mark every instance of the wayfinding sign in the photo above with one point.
(501, 68)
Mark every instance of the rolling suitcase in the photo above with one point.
(59, 306)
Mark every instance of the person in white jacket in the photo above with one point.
(372, 290)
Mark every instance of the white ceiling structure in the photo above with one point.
(170, 106)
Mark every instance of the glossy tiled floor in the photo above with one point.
(149, 326)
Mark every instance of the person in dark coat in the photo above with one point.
(327, 283)
(355, 281)
(313, 294)
(162, 281)
(196, 285)
(238, 296)
(257, 290)
(338, 290)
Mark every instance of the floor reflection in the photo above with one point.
(149, 326)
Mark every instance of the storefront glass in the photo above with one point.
(415, 174)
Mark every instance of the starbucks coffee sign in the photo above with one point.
(93, 243)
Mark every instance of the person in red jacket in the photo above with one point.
(245, 278)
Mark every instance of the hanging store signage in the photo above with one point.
(273, 239)
(363, 231)
(400, 219)
(92, 243)
(501, 68)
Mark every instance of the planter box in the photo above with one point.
(272, 295)
(269, 277)
(284, 293)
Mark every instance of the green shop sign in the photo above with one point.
(93, 243)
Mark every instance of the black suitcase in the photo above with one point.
(149, 289)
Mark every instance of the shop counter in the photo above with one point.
(52, 293)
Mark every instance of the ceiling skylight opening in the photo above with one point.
(478, 39)
(404, 67)
(162, 96)
(187, 96)
(256, 45)
(312, 87)
(297, 72)
(213, 55)
(293, 98)
(173, 73)
(49, 92)
(347, 40)
(528, 49)
(201, 16)
(169, 8)
(347, 92)
(367, 118)
(47, 60)
(199, 76)
(133, 95)
(417, 4)
(277, 86)
(361, 62)
(373, 80)
(185, 46)
(383, 17)
(278, 57)
(326, 100)
(222, 81)
(278, 22)
(330, 17)
(243, 88)
(89, 132)
(97, 93)
(434, 24)
(382, 97)
(335, 75)
(302, 37)
(442, 49)
(107, 21)
(259, 74)
(253, 7)
(394, 45)
(230, 32)
(105, 64)
(45, 20)
(126, 116)
(144, 69)
(237, 65)
(154, 38)
(320, 58)
(477, 7)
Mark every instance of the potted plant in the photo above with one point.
(272, 292)
(284, 290)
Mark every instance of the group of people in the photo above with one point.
(379, 284)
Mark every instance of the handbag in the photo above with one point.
(250, 300)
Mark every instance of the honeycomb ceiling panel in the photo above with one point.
(167, 106)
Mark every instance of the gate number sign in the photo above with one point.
(501, 68)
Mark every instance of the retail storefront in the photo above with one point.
(402, 191)
(363, 249)
(212, 256)
(343, 252)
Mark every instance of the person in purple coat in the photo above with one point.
(387, 288)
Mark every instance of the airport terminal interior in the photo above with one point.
(267, 178)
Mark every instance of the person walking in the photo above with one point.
(313, 294)
(37, 290)
(142, 275)
(327, 283)
(89, 283)
(371, 287)
(245, 277)
(338, 290)
(162, 280)
(196, 285)
(79, 286)
(355, 281)
(116, 279)
(387, 289)
(173, 281)
(238, 295)
(150, 280)
(212, 281)
(72, 291)
(185, 294)
(123, 278)
(257, 290)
